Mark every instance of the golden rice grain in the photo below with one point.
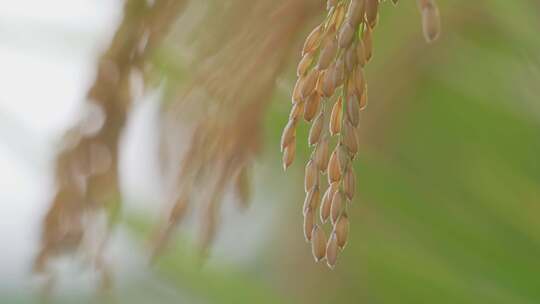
(313, 40)
(336, 116)
(339, 72)
(318, 243)
(349, 137)
(297, 110)
(364, 99)
(297, 91)
(431, 23)
(304, 64)
(353, 110)
(359, 80)
(309, 222)
(289, 154)
(328, 53)
(337, 22)
(319, 86)
(308, 84)
(372, 12)
(344, 157)
(368, 43)
(338, 202)
(346, 35)
(342, 230)
(312, 199)
(311, 176)
(334, 168)
(349, 183)
(289, 133)
(316, 130)
(332, 251)
(322, 154)
(326, 202)
(327, 84)
(350, 58)
(312, 106)
(361, 53)
(355, 12)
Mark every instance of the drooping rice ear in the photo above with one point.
(334, 56)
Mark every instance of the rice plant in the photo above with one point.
(233, 72)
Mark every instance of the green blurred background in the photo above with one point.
(448, 179)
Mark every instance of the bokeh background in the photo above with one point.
(448, 173)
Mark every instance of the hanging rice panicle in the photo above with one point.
(332, 85)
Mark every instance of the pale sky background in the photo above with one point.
(48, 51)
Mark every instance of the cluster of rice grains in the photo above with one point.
(330, 93)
